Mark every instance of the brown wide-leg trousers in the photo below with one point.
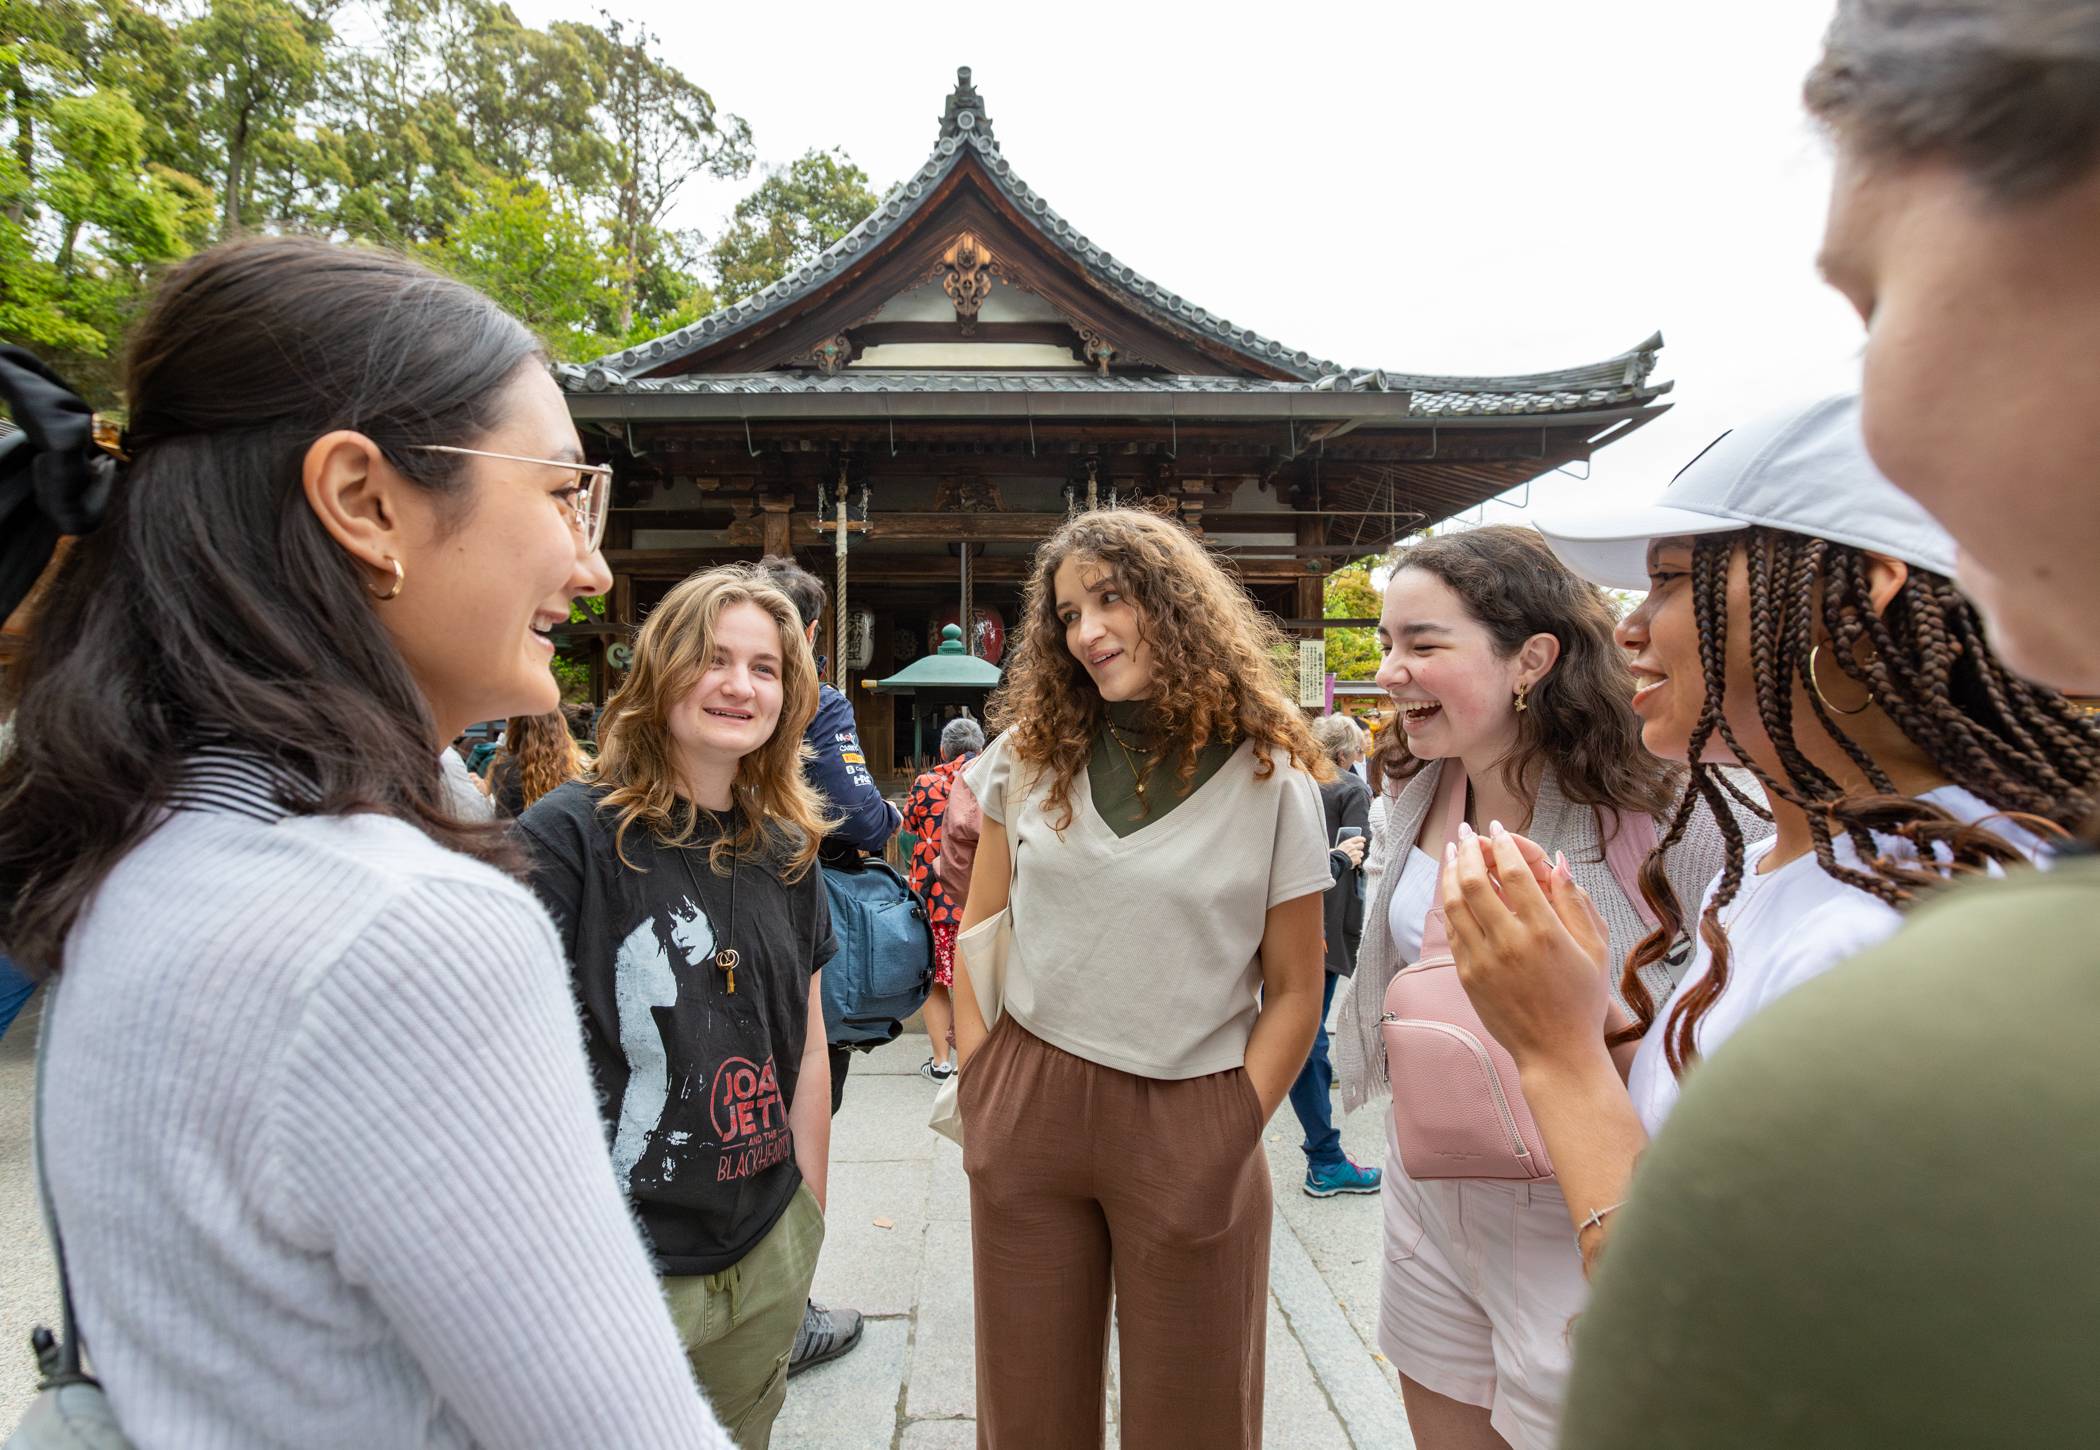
(1086, 1181)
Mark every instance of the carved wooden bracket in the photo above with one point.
(966, 271)
(967, 494)
(828, 357)
(1096, 349)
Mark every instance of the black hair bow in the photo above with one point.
(54, 479)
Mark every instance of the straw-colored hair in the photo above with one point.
(783, 816)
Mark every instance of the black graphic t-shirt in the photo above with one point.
(694, 1080)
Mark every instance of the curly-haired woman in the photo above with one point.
(1799, 622)
(682, 879)
(538, 754)
(1152, 823)
(1510, 702)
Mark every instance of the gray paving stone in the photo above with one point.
(883, 1119)
(863, 1266)
(1363, 1392)
(944, 1357)
(1295, 1408)
(851, 1403)
(940, 1435)
(28, 1278)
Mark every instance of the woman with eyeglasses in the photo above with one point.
(317, 1128)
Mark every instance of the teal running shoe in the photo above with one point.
(1343, 1177)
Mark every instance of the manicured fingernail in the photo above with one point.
(1465, 831)
(1495, 829)
(1451, 851)
(1560, 862)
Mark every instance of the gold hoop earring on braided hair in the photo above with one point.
(1523, 689)
(399, 578)
(1817, 685)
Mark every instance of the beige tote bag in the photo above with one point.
(984, 951)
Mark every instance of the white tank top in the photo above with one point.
(1413, 895)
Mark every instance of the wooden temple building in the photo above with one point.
(966, 368)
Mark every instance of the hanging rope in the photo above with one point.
(967, 616)
(844, 627)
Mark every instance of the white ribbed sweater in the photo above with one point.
(325, 1155)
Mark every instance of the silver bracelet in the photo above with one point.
(1596, 1220)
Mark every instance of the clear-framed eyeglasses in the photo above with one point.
(589, 506)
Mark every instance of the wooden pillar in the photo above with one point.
(775, 524)
(1312, 584)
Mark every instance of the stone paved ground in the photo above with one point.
(911, 1386)
(899, 1250)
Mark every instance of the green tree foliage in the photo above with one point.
(536, 256)
(663, 131)
(543, 165)
(793, 215)
(1352, 654)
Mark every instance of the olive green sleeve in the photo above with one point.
(1871, 1219)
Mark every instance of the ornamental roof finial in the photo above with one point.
(965, 112)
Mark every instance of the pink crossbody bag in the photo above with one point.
(1456, 1105)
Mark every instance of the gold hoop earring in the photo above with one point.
(1522, 691)
(399, 578)
(1817, 685)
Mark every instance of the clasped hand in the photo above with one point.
(1532, 952)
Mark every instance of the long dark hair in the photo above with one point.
(211, 606)
(2022, 749)
(1578, 718)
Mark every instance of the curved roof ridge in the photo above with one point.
(964, 129)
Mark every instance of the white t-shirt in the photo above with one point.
(1414, 894)
(1785, 928)
(1142, 952)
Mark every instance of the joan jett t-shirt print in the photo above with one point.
(694, 1081)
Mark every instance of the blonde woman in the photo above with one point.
(682, 881)
(538, 754)
(1151, 819)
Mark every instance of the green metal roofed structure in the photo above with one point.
(951, 675)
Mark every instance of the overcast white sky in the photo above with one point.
(1466, 186)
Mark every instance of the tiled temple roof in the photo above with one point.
(966, 130)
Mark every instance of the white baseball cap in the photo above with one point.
(1805, 471)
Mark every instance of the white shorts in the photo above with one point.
(1481, 1288)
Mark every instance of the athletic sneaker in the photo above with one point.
(936, 1071)
(1343, 1177)
(825, 1335)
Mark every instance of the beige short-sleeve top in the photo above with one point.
(1142, 952)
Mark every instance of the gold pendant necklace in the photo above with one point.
(727, 958)
(1128, 760)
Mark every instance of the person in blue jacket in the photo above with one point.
(838, 768)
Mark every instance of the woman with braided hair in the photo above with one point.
(1799, 622)
(1870, 1220)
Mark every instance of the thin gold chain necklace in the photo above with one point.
(1128, 760)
